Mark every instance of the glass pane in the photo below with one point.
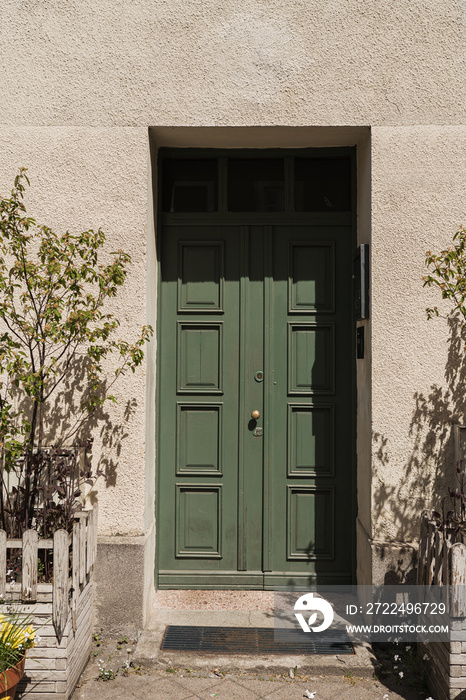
(322, 184)
(256, 184)
(189, 185)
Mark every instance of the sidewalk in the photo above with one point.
(174, 683)
(140, 669)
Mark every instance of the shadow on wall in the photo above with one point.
(112, 437)
(430, 468)
(60, 421)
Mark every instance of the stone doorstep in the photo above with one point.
(363, 663)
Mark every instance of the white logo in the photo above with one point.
(308, 603)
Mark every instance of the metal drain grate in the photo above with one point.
(248, 640)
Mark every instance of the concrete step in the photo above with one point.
(362, 663)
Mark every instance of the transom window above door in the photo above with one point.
(246, 183)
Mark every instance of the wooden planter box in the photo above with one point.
(442, 562)
(62, 610)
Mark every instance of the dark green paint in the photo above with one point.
(242, 293)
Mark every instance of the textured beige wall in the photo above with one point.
(81, 84)
(418, 390)
(236, 62)
(81, 179)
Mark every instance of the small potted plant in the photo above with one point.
(16, 637)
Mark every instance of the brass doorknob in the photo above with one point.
(256, 414)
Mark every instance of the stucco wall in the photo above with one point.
(418, 185)
(91, 178)
(83, 83)
(242, 62)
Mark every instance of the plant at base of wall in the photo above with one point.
(452, 522)
(55, 340)
(16, 637)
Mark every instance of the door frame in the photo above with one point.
(259, 217)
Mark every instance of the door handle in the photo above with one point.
(255, 414)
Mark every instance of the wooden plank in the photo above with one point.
(427, 557)
(94, 532)
(81, 518)
(44, 587)
(50, 664)
(44, 597)
(438, 548)
(39, 691)
(39, 674)
(83, 635)
(29, 578)
(84, 619)
(446, 573)
(84, 616)
(458, 580)
(75, 573)
(44, 590)
(17, 544)
(60, 582)
(430, 561)
(34, 608)
(81, 647)
(78, 669)
(50, 641)
(446, 562)
(41, 652)
(42, 690)
(90, 540)
(79, 653)
(421, 566)
(84, 598)
(86, 593)
(441, 660)
(446, 566)
(13, 595)
(2, 564)
(82, 550)
(72, 649)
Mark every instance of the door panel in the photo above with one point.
(199, 521)
(199, 353)
(310, 425)
(311, 285)
(199, 435)
(241, 507)
(200, 281)
(255, 314)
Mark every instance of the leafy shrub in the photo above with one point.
(53, 293)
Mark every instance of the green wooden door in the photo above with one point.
(255, 314)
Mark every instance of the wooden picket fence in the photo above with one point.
(60, 611)
(73, 560)
(442, 562)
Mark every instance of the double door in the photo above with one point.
(256, 411)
